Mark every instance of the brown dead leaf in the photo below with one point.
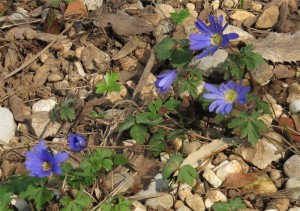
(123, 24)
(279, 47)
(76, 7)
(51, 24)
(285, 122)
(129, 47)
(239, 180)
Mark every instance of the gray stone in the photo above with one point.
(293, 182)
(165, 201)
(291, 167)
(195, 202)
(262, 74)
(295, 107)
(42, 125)
(43, 105)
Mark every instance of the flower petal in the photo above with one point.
(60, 157)
(203, 28)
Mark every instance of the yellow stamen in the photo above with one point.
(47, 166)
(230, 96)
(216, 39)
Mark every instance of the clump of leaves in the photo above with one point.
(177, 51)
(110, 84)
(116, 204)
(64, 111)
(139, 123)
(239, 62)
(249, 125)
(186, 173)
(178, 17)
(231, 205)
(80, 202)
(190, 82)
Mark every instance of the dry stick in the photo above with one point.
(29, 61)
(144, 76)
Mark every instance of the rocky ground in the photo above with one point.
(46, 61)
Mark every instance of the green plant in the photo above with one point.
(110, 84)
(116, 204)
(80, 202)
(231, 205)
(178, 17)
(64, 111)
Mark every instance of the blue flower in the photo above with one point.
(211, 38)
(42, 163)
(165, 80)
(77, 142)
(225, 95)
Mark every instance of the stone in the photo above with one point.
(275, 174)
(7, 125)
(216, 196)
(79, 68)
(42, 125)
(93, 4)
(210, 64)
(94, 59)
(278, 204)
(262, 74)
(291, 167)
(183, 208)
(241, 15)
(189, 147)
(190, 7)
(295, 107)
(165, 201)
(178, 204)
(260, 155)
(268, 18)
(294, 88)
(128, 64)
(294, 209)
(184, 192)
(195, 202)
(228, 4)
(225, 170)
(43, 105)
(158, 184)
(281, 72)
(56, 76)
(293, 182)
(138, 206)
(243, 35)
(212, 178)
(164, 10)
(61, 87)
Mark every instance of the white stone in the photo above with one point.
(79, 68)
(42, 125)
(190, 7)
(165, 201)
(208, 203)
(209, 64)
(243, 35)
(43, 105)
(93, 4)
(195, 202)
(291, 167)
(183, 208)
(216, 196)
(212, 178)
(294, 209)
(295, 107)
(164, 9)
(293, 182)
(138, 206)
(7, 125)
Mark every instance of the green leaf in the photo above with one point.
(40, 195)
(120, 160)
(67, 114)
(179, 133)
(221, 206)
(101, 88)
(139, 133)
(80, 202)
(5, 198)
(172, 165)
(157, 143)
(164, 49)
(187, 174)
(190, 86)
(171, 104)
(237, 203)
(178, 17)
(110, 84)
(181, 57)
(158, 104)
(128, 123)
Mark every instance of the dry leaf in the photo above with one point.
(76, 7)
(51, 24)
(123, 24)
(20, 111)
(279, 47)
(239, 180)
(129, 47)
(285, 122)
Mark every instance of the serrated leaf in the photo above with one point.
(110, 84)
(237, 203)
(128, 123)
(120, 160)
(165, 48)
(5, 198)
(158, 104)
(101, 88)
(187, 174)
(111, 78)
(139, 133)
(181, 57)
(178, 17)
(221, 206)
(81, 201)
(157, 143)
(67, 114)
(40, 195)
(171, 104)
(172, 165)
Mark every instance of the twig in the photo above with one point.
(29, 61)
(144, 76)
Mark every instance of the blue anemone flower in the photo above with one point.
(42, 163)
(211, 38)
(165, 80)
(77, 142)
(225, 95)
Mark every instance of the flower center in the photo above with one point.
(230, 96)
(47, 166)
(216, 39)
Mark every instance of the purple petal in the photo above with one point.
(199, 45)
(213, 24)
(213, 96)
(211, 88)
(202, 27)
(228, 108)
(60, 157)
(232, 36)
(215, 104)
(199, 37)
